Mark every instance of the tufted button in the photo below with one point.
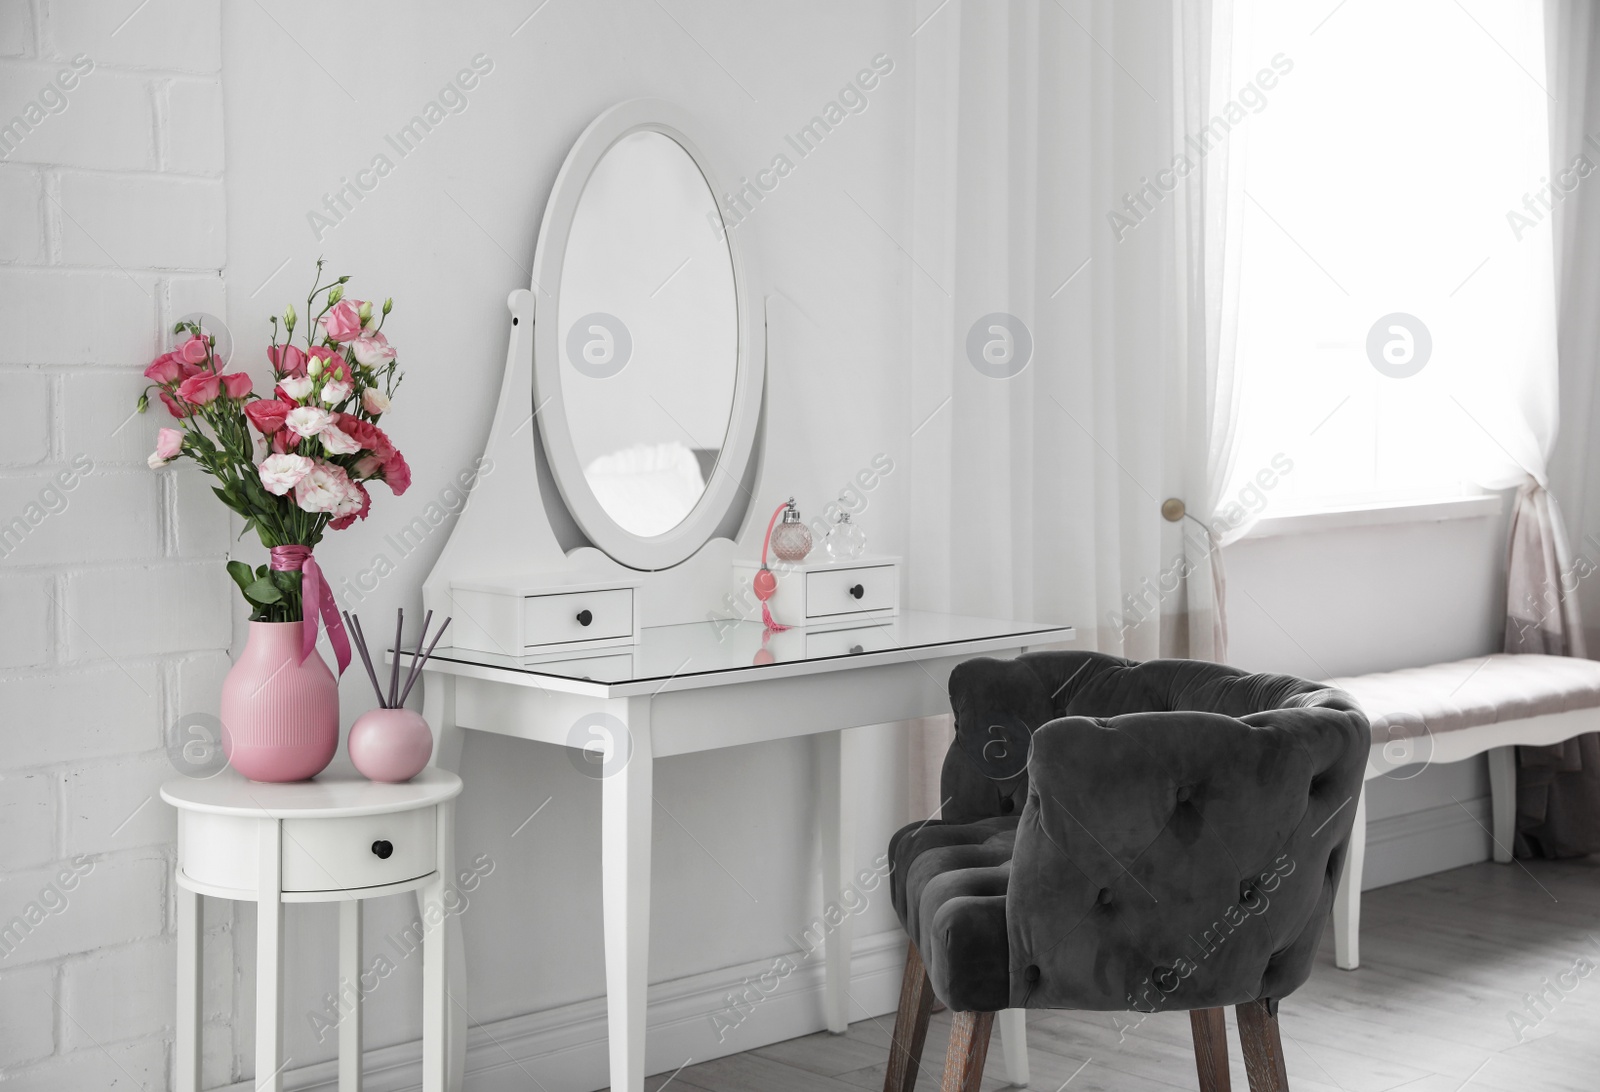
(1184, 794)
(1032, 973)
(1105, 896)
(1007, 806)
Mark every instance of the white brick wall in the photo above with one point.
(114, 606)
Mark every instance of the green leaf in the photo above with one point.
(241, 574)
(262, 591)
(261, 572)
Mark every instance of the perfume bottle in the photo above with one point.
(845, 540)
(791, 539)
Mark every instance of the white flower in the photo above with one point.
(262, 447)
(375, 401)
(307, 421)
(323, 489)
(281, 473)
(351, 502)
(156, 462)
(335, 392)
(299, 387)
(336, 441)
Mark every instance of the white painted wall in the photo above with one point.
(113, 605)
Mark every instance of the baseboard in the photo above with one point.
(564, 1049)
(1420, 843)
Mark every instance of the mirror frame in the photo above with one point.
(549, 407)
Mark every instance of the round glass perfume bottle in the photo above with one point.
(845, 540)
(791, 539)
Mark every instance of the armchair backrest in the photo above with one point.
(1182, 830)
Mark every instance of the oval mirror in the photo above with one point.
(645, 383)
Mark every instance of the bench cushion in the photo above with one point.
(1469, 693)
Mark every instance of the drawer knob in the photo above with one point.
(857, 590)
(584, 617)
(856, 650)
(382, 849)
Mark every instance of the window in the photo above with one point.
(1396, 303)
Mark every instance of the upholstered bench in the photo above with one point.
(1450, 712)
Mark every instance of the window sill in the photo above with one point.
(1376, 515)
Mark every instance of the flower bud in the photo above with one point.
(335, 294)
(388, 305)
(144, 401)
(365, 313)
(315, 367)
(344, 278)
(288, 316)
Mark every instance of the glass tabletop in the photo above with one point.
(728, 647)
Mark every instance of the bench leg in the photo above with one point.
(1347, 895)
(1503, 794)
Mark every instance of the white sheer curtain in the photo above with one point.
(1558, 788)
(1211, 206)
(1037, 129)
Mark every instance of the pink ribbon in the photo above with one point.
(315, 597)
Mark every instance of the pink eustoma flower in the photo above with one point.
(194, 350)
(286, 360)
(236, 384)
(164, 369)
(343, 321)
(201, 389)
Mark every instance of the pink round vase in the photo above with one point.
(390, 744)
(280, 716)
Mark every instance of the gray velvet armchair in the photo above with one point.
(1127, 837)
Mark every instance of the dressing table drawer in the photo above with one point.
(538, 615)
(577, 616)
(851, 591)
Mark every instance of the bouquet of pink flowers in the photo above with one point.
(296, 464)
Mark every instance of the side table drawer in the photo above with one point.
(337, 854)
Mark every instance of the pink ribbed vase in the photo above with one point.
(280, 717)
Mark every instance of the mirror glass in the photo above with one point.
(649, 333)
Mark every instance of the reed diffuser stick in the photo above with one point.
(354, 629)
(394, 669)
(416, 666)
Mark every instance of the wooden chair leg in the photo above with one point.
(910, 1025)
(1263, 1048)
(1210, 1029)
(969, 1046)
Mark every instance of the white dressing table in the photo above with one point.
(698, 687)
(626, 459)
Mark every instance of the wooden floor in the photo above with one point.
(1446, 959)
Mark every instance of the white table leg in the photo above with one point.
(625, 882)
(350, 978)
(1014, 1045)
(1503, 799)
(269, 959)
(838, 857)
(186, 1050)
(449, 739)
(435, 962)
(1347, 894)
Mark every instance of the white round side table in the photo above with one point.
(331, 839)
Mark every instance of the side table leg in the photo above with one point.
(449, 739)
(186, 1051)
(837, 820)
(435, 965)
(269, 959)
(350, 979)
(625, 814)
